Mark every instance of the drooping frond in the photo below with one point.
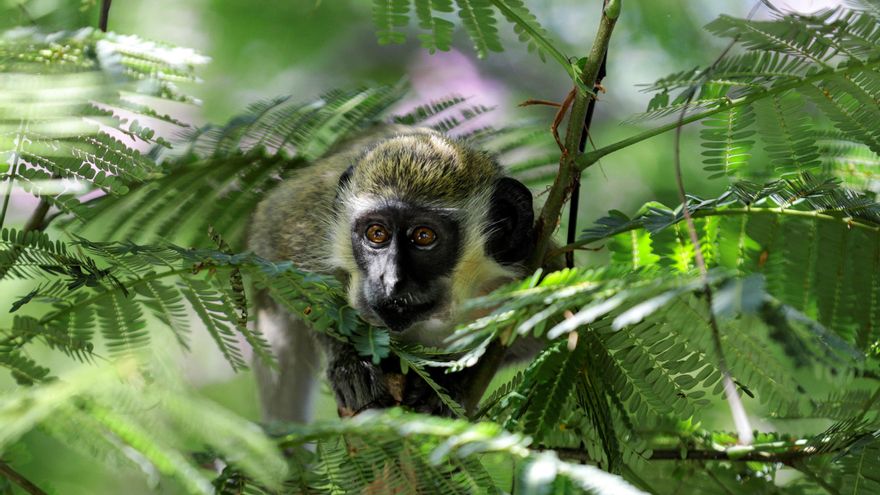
(727, 140)
(119, 411)
(28, 255)
(64, 114)
(785, 131)
(389, 15)
(24, 370)
(111, 288)
(850, 161)
(479, 21)
(390, 451)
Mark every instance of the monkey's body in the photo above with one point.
(414, 223)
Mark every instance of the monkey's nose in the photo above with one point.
(392, 286)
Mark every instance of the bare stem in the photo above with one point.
(14, 476)
(105, 15)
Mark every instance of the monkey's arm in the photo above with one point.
(288, 392)
(357, 383)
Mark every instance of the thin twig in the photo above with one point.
(11, 179)
(105, 15)
(14, 476)
(13, 172)
(26, 14)
(740, 418)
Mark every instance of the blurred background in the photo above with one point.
(260, 49)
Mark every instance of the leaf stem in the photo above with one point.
(737, 410)
(536, 35)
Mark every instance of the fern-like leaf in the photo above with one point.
(388, 16)
(479, 21)
(439, 30)
(727, 142)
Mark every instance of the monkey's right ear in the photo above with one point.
(511, 227)
(344, 179)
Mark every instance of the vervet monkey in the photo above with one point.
(414, 223)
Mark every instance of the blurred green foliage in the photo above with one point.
(304, 48)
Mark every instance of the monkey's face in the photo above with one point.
(405, 255)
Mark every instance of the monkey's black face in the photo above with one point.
(405, 255)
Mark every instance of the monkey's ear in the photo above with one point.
(344, 179)
(511, 222)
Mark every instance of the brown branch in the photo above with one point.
(561, 188)
(105, 15)
(14, 476)
(548, 219)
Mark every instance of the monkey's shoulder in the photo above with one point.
(292, 222)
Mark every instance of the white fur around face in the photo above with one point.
(475, 273)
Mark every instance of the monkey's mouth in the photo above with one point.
(398, 314)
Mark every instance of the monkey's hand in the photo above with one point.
(422, 398)
(359, 384)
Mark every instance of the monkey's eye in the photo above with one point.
(377, 234)
(423, 236)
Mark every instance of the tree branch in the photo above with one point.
(14, 476)
(559, 192)
(547, 221)
(105, 15)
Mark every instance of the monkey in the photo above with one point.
(413, 223)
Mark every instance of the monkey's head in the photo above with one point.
(424, 223)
